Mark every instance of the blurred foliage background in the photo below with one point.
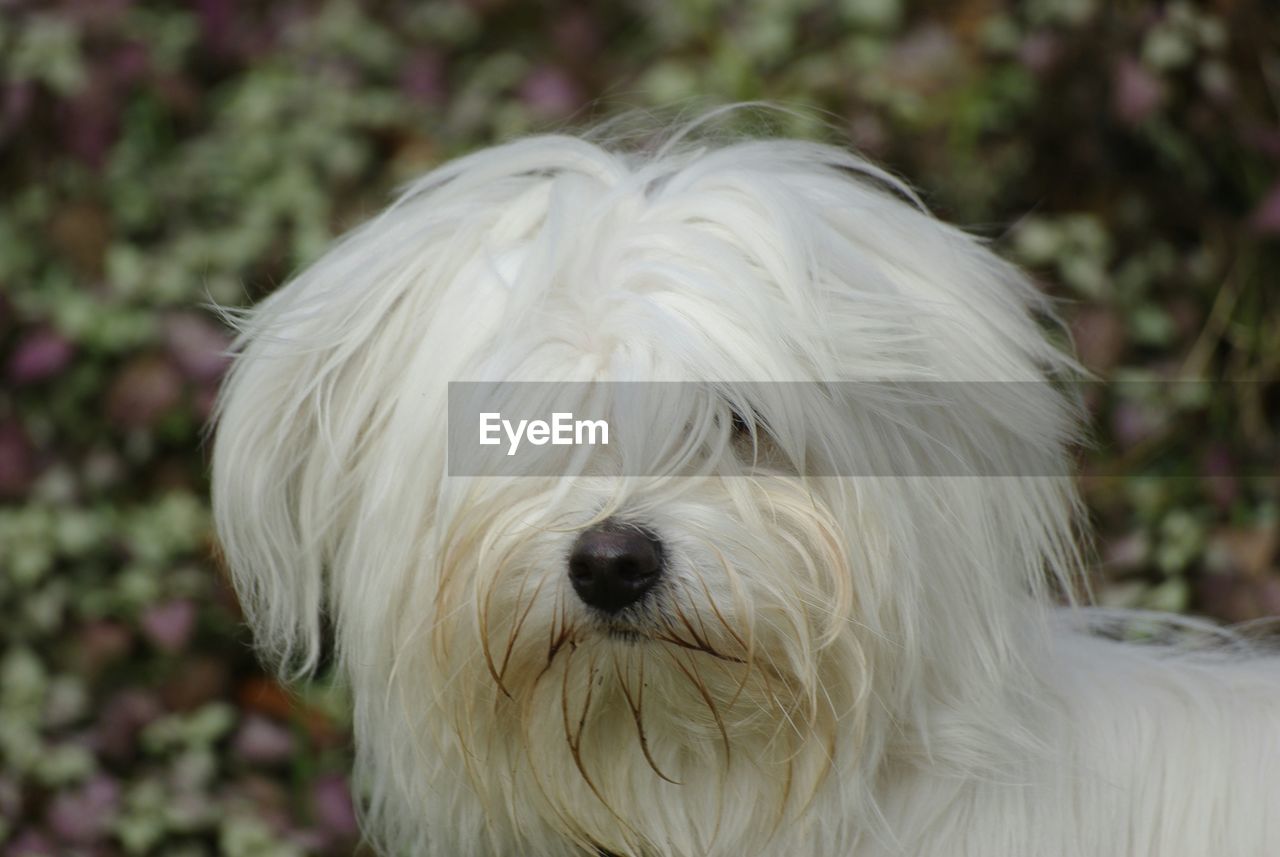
(156, 156)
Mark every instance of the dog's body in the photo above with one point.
(1151, 757)
(738, 654)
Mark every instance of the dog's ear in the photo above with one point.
(310, 384)
(328, 431)
(271, 501)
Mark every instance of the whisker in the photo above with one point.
(691, 673)
(636, 705)
(575, 741)
(519, 623)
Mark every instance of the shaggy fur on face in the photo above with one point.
(837, 664)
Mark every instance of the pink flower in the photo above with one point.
(1136, 93)
(1266, 217)
(1039, 52)
(550, 92)
(17, 460)
(130, 62)
(331, 803)
(263, 741)
(220, 30)
(169, 625)
(1127, 552)
(90, 122)
(1132, 424)
(30, 843)
(197, 346)
(84, 815)
(40, 354)
(122, 720)
(422, 78)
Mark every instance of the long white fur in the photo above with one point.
(856, 665)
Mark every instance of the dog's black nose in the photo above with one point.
(613, 566)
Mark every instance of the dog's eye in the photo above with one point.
(741, 427)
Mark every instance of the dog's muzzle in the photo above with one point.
(613, 566)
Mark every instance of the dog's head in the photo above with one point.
(722, 646)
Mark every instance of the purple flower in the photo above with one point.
(1039, 52)
(1132, 424)
(1127, 552)
(1266, 217)
(30, 843)
(262, 741)
(217, 23)
(198, 346)
(331, 803)
(90, 122)
(122, 720)
(169, 625)
(1220, 479)
(1136, 93)
(130, 62)
(422, 78)
(17, 460)
(39, 355)
(84, 815)
(550, 92)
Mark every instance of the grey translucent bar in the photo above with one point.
(846, 428)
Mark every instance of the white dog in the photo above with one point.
(821, 625)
